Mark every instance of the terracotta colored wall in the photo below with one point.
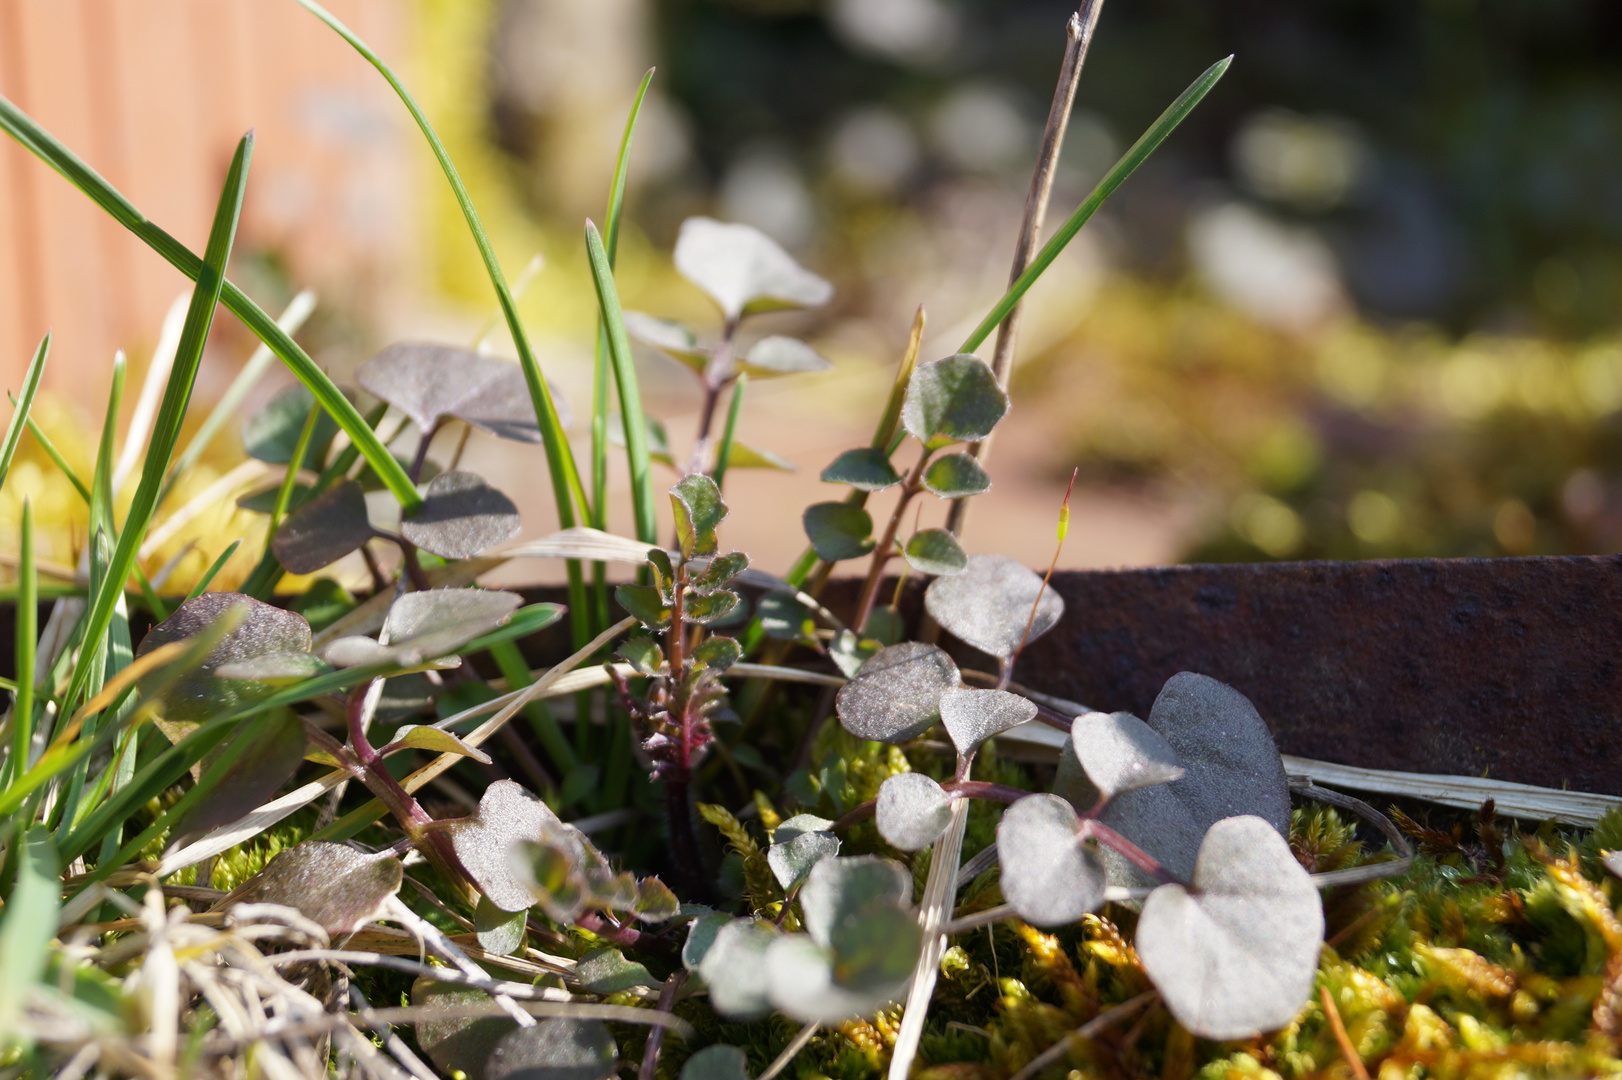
(154, 95)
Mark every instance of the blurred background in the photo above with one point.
(1364, 303)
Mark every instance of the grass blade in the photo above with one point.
(208, 578)
(27, 639)
(1135, 156)
(630, 395)
(19, 415)
(20, 126)
(566, 487)
(723, 455)
(27, 930)
(55, 455)
(284, 494)
(176, 396)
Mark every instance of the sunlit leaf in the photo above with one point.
(955, 476)
(428, 382)
(953, 400)
(749, 457)
(1049, 875)
(782, 356)
(275, 669)
(485, 843)
(423, 626)
(718, 1062)
(838, 530)
(435, 741)
(804, 977)
(734, 968)
(867, 468)
(711, 607)
(607, 971)
(1236, 954)
(845, 890)
(973, 716)
(699, 510)
(669, 337)
(722, 569)
(461, 516)
(935, 551)
(323, 530)
(718, 653)
(1122, 753)
(333, 885)
(912, 811)
(896, 695)
(989, 604)
(799, 844)
(498, 932)
(743, 270)
(560, 1048)
(271, 434)
(263, 630)
(655, 903)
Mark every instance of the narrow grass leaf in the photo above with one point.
(25, 404)
(625, 380)
(26, 930)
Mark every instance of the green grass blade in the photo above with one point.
(723, 454)
(20, 126)
(630, 395)
(176, 395)
(19, 415)
(213, 571)
(510, 660)
(101, 481)
(566, 488)
(27, 929)
(1135, 156)
(284, 494)
(27, 640)
(55, 455)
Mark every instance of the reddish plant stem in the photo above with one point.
(408, 554)
(1093, 829)
(656, 1037)
(421, 458)
(678, 808)
(719, 373)
(883, 552)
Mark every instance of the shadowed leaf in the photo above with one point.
(428, 382)
(718, 1062)
(456, 1043)
(423, 626)
(644, 602)
(263, 630)
(1122, 753)
(896, 695)
(644, 655)
(743, 270)
(1048, 875)
(271, 434)
(333, 885)
(935, 551)
(799, 844)
(782, 356)
(711, 607)
(718, 653)
(953, 400)
(461, 516)
(264, 501)
(838, 530)
(973, 716)
(655, 903)
(606, 971)
(989, 603)
(700, 936)
(846, 890)
(912, 811)
(699, 509)
(669, 337)
(784, 618)
(323, 530)
(1236, 954)
(956, 476)
(556, 1049)
(275, 747)
(499, 932)
(867, 468)
(734, 968)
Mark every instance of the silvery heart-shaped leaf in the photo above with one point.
(973, 716)
(935, 551)
(743, 270)
(424, 625)
(427, 382)
(799, 844)
(735, 971)
(912, 811)
(1048, 874)
(699, 509)
(271, 434)
(700, 936)
(275, 669)
(867, 468)
(561, 1048)
(989, 603)
(785, 618)
(896, 695)
(461, 516)
(1237, 953)
(840, 891)
(498, 932)
(955, 476)
(718, 1062)
(263, 630)
(456, 1043)
(323, 530)
(1122, 753)
(953, 400)
(669, 337)
(778, 355)
(485, 842)
(606, 971)
(270, 750)
(333, 885)
(436, 741)
(816, 984)
(838, 530)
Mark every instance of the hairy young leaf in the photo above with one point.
(644, 655)
(989, 603)
(560, 1048)
(722, 569)
(866, 468)
(323, 530)
(799, 844)
(1048, 875)
(271, 434)
(435, 741)
(1122, 753)
(912, 811)
(838, 530)
(669, 337)
(644, 602)
(734, 968)
(953, 400)
(711, 607)
(461, 516)
(655, 903)
(423, 626)
(485, 842)
(973, 716)
(428, 382)
(717, 1062)
(896, 695)
(333, 885)
(1236, 954)
(955, 476)
(781, 356)
(263, 630)
(743, 270)
(935, 551)
(699, 509)
(718, 653)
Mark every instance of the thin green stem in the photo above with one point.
(723, 454)
(25, 405)
(56, 456)
(619, 349)
(27, 640)
(213, 571)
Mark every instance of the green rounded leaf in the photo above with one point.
(711, 607)
(461, 516)
(718, 653)
(743, 270)
(867, 468)
(782, 356)
(785, 618)
(798, 845)
(498, 932)
(935, 551)
(607, 971)
(956, 476)
(953, 400)
(644, 602)
(271, 434)
(838, 530)
(718, 1062)
(734, 969)
(699, 510)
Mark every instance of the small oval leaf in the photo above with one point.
(867, 468)
(699, 510)
(953, 400)
(733, 967)
(779, 355)
(935, 551)
(718, 1062)
(333, 885)
(896, 695)
(428, 381)
(839, 890)
(838, 530)
(1122, 753)
(956, 476)
(798, 845)
(461, 516)
(1049, 875)
(435, 740)
(973, 716)
(425, 625)
(743, 270)
(323, 530)
(989, 604)
(912, 811)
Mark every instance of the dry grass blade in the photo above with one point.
(1058, 1050)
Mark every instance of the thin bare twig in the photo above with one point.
(1086, 1031)
(790, 1052)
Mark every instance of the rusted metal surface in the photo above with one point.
(1505, 667)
